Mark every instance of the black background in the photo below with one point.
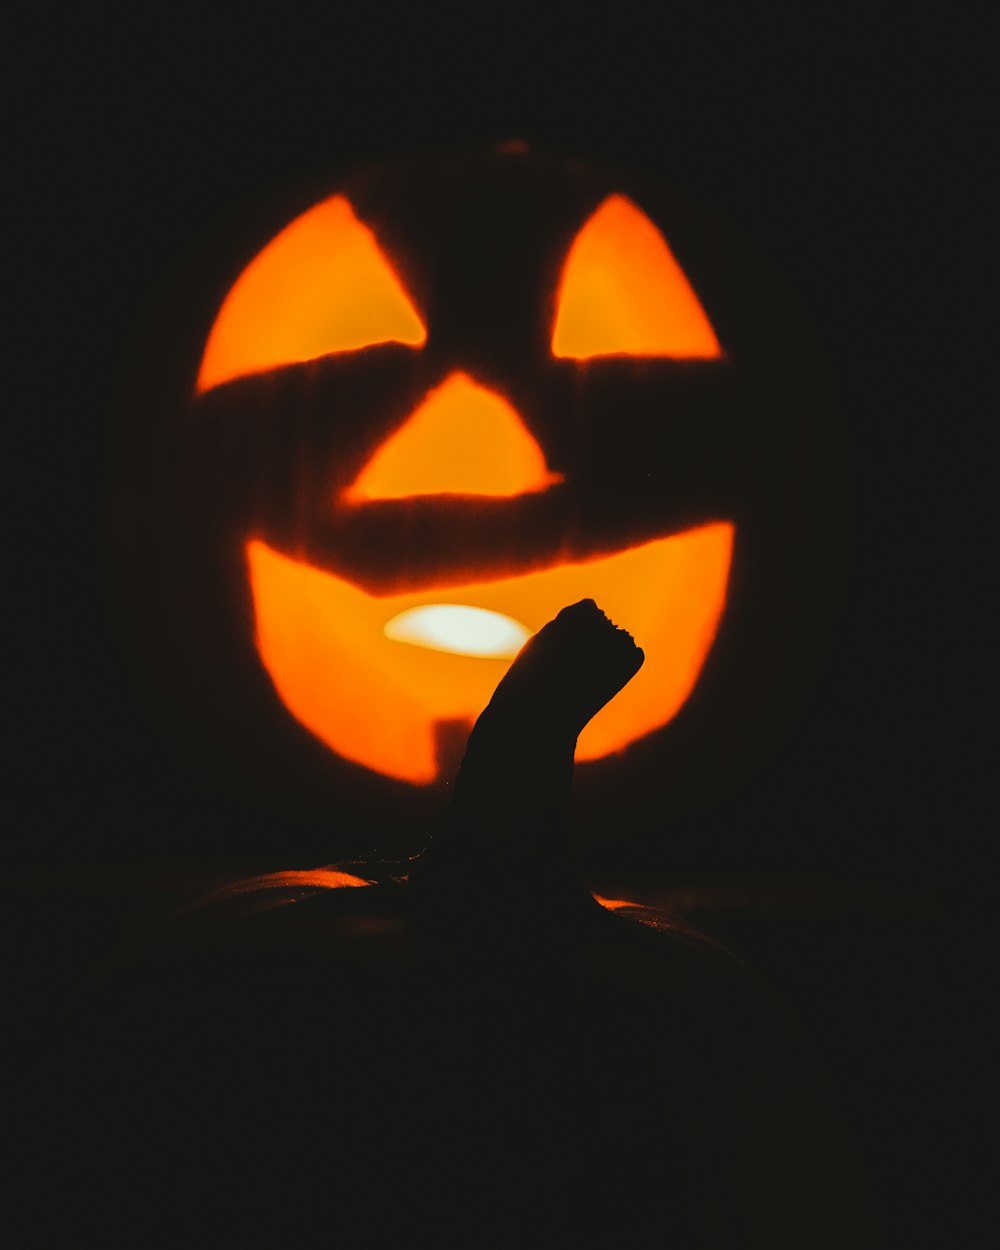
(855, 867)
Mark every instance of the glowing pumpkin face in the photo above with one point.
(373, 675)
(389, 426)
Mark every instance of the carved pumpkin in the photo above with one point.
(441, 400)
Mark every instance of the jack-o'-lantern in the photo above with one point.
(429, 407)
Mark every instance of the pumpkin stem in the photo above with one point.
(507, 825)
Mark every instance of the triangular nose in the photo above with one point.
(463, 439)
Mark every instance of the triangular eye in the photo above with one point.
(322, 285)
(462, 440)
(623, 293)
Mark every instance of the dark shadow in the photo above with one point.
(466, 1050)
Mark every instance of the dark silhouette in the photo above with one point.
(502, 860)
(466, 1050)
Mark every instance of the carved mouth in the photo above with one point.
(377, 701)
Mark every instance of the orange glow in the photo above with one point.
(321, 878)
(375, 701)
(623, 293)
(322, 285)
(462, 440)
(289, 879)
(613, 904)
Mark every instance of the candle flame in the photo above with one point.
(459, 629)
